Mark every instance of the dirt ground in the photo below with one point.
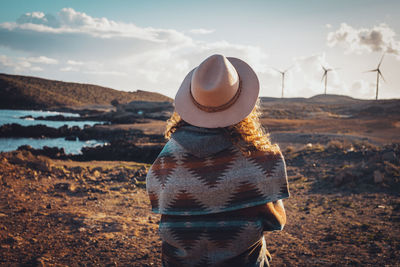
(344, 208)
(91, 214)
(66, 213)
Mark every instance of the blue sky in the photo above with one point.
(151, 45)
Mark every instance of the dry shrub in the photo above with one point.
(336, 145)
(364, 145)
(313, 147)
(318, 147)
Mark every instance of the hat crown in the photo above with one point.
(214, 82)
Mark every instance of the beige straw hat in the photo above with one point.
(220, 92)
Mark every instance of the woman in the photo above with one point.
(218, 182)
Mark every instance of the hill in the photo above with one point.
(24, 92)
(331, 98)
(322, 99)
(330, 105)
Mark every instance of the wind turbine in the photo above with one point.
(325, 76)
(378, 74)
(283, 77)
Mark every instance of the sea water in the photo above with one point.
(8, 116)
(70, 147)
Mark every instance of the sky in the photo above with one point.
(151, 45)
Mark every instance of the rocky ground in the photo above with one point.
(66, 213)
(136, 128)
(343, 166)
(344, 210)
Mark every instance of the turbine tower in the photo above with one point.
(325, 76)
(378, 74)
(283, 78)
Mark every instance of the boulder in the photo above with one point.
(96, 174)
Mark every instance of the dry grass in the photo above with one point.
(30, 92)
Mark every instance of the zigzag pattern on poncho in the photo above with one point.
(180, 183)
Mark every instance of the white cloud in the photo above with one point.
(303, 78)
(202, 31)
(42, 60)
(308, 73)
(36, 69)
(110, 72)
(21, 64)
(5, 61)
(115, 54)
(69, 68)
(145, 58)
(69, 21)
(380, 38)
(38, 18)
(74, 62)
(363, 89)
(75, 34)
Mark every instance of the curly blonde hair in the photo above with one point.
(248, 134)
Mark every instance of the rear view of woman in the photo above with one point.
(218, 182)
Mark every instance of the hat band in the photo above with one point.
(219, 108)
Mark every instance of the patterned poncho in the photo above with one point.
(199, 183)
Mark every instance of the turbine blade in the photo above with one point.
(288, 68)
(277, 70)
(380, 62)
(380, 73)
(323, 67)
(369, 71)
(323, 76)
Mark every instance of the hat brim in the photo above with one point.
(242, 107)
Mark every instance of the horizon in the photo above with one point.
(140, 46)
(260, 96)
